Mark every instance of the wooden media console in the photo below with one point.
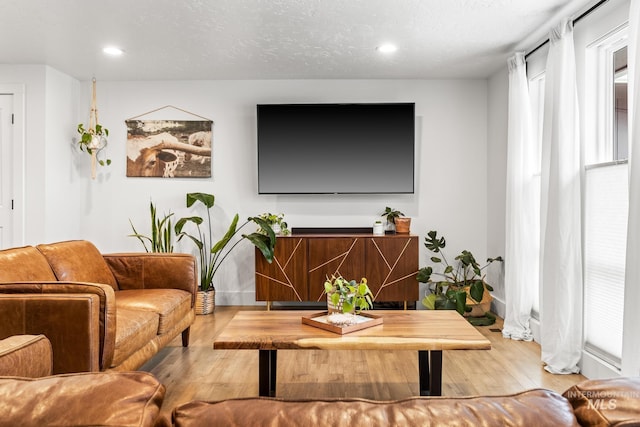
(302, 263)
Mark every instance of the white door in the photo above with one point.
(6, 196)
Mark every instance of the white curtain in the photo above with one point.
(521, 270)
(631, 337)
(560, 221)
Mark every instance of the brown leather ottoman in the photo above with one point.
(87, 399)
(25, 356)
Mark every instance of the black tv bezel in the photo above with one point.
(413, 165)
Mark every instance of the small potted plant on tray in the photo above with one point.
(346, 298)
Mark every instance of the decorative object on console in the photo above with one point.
(169, 148)
(378, 228)
(277, 223)
(94, 138)
(391, 214)
(462, 288)
(212, 255)
(403, 225)
(161, 239)
(346, 298)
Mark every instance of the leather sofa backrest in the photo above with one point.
(535, 407)
(78, 261)
(24, 265)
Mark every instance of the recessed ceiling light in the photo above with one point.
(113, 51)
(387, 48)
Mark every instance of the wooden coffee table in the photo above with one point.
(427, 331)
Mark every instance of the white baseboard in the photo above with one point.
(595, 368)
(237, 298)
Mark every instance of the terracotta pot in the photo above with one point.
(403, 225)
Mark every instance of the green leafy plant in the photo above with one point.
(464, 275)
(161, 239)
(355, 296)
(93, 139)
(391, 214)
(211, 255)
(276, 220)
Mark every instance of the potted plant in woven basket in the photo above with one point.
(461, 285)
(345, 299)
(211, 255)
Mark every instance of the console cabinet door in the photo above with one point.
(285, 279)
(391, 268)
(333, 255)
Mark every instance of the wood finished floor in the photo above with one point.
(201, 373)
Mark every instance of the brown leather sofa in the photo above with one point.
(593, 403)
(135, 399)
(100, 312)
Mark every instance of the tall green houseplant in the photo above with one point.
(211, 255)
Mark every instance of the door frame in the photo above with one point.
(18, 237)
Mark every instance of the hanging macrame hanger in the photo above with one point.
(169, 106)
(93, 121)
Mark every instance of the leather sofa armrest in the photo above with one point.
(604, 402)
(78, 318)
(25, 356)
(155, 271)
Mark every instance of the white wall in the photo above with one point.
(64, 192)
(451, 162)
(451, 147)
(497, 107)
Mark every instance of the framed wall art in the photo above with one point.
(169, 148)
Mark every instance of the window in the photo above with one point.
(606, 199)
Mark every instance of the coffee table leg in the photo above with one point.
(267, 363)
(430, 372)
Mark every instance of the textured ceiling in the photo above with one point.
(273, 39)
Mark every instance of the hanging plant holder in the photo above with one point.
(94, 139)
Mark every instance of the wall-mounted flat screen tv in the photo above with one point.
(336, 148)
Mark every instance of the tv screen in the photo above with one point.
(336, 148)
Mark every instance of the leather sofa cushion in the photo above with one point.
(86, 399)
(134, 330)
(531, 408)
(171, 305)
(607, 402)
(25, 356)
(78, 261)
(24, 265)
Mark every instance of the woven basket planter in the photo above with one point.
(205, 302)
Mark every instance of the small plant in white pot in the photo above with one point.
(277, 223)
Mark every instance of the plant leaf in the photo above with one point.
(429, 301)
(424, 274)
(206, 199)
(228, 235)
(476, 290)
